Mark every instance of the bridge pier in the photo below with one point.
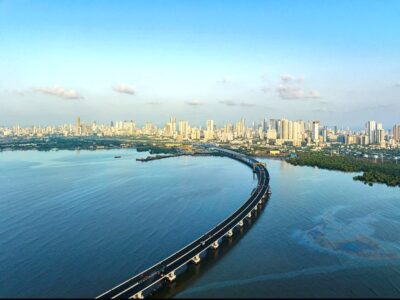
(171, 276)
(196, 259)
(215, 245)
(164, 270)
(138, 295)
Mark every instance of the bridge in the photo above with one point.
(145, 282)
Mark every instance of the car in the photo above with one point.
(203, 243)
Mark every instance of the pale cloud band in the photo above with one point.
(59, 92)
(292, 88)
(289, 92)
(124, 89)
(228, 102)
(233, 103)
(194, 103)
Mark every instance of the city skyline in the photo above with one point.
(273, 132)
(199, 149)
(202, 123)
(209, 59)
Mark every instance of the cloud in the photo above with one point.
(59, 92)
(397, 84)
(247, 104)
(290, 92)
(228, 102)
(223, 80)
(233, 103)
(313, 94)
(153, 103)
(194, 102)
(292, 88)
(287, 78)
(15, 92)
(291, 79)
(265, 89)
(321, 110)
(124, 89)
(323, 102)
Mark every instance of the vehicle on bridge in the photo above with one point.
(137, 286)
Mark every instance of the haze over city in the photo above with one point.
(338, 62)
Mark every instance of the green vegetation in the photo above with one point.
(64, 143)
(156, 149)
(373, 172)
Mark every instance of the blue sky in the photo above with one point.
(336, 61)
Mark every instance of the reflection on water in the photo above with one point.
(192, 272)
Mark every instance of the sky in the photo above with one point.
(333, 61)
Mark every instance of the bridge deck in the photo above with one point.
(156, 273)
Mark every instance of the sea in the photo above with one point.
(77, 223)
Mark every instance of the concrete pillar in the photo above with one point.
(230, 233)
(249, 215)
(171, 276)
(138, 295)
(255, 207)
(241, 223)
(215, 245)
(196, 259)
(260, 202)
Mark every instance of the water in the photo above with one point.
(321, 235)
(77, 223)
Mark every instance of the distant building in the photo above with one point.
(315, 131)
(396, 132)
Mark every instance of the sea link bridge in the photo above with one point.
(147, 281)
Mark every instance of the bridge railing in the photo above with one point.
(208, 235)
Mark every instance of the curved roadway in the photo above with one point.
(144, 281)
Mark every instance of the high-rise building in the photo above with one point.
(324, 134)
(370, 129)
(173, 125)
(241, 128)
(315, 131)
(265, 125)
(184, 129)
(284, 133)
(78, 130)
(380, 137)
(396, 132)
(209, 133)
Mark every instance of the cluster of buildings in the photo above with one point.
(273, 132)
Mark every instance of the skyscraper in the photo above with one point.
(78, 126)
(396, 132)
(284, 129)
(173, 125)
(370, 129)
(184, 129)
(315, 131)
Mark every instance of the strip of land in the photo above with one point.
(373, 171)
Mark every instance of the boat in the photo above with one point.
(118, 156)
